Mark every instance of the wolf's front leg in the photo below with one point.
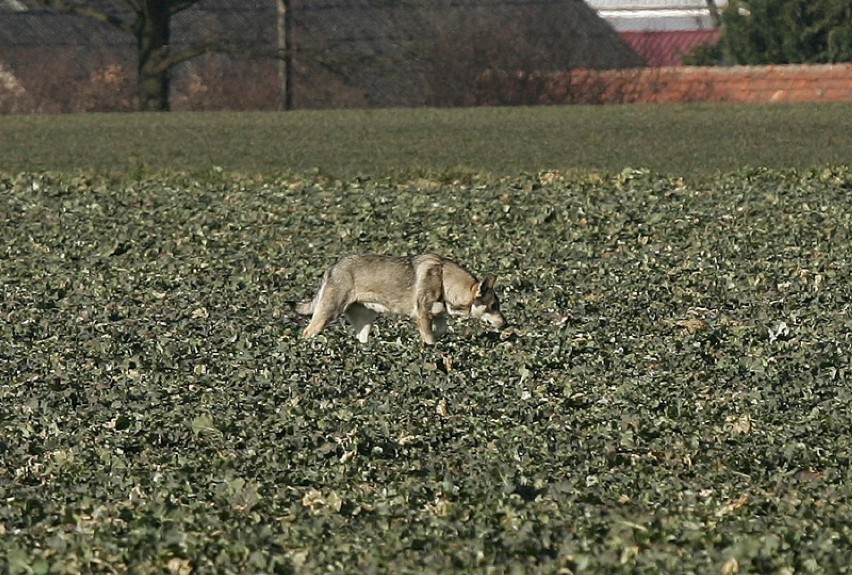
(439, 325)
(439, 319)
(424, 324)
(361, 319)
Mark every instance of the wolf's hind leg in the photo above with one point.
(328, 305)
(316, 325)
(361, 319)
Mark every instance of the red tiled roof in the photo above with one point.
(665, 48)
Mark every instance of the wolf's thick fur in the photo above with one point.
(425, 287)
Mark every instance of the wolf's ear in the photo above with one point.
(486, 285)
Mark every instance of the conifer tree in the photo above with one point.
(787, 31)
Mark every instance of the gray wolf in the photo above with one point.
(427, 288)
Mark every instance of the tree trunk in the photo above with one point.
(285, 56)
(152, 39)
(715, 15)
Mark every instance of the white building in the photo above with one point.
(657, 15)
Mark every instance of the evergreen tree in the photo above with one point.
(788, 31)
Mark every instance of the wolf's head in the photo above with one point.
(486, 304)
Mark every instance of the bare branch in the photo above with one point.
(228, 48)
(195, 51)
(89, 12)
(187, 54)
(237, 50)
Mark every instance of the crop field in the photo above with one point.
(673, 394)
(683, 141)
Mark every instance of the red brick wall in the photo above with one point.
(747, 84)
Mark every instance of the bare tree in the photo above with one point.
(715, 14)
(149, 22)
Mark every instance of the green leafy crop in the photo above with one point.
(673, 395)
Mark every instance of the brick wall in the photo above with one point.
(745, 84)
